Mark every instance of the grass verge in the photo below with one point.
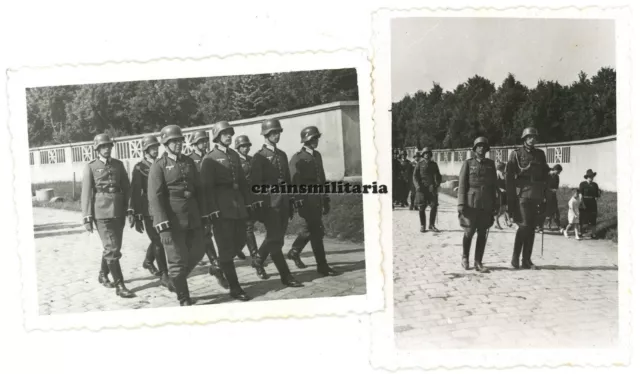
(344, 221)
(607, 224)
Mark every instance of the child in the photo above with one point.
(574, 214)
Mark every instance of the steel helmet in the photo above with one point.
(480, 140)
(148, 141)
(309, 133)
(426, 150)
(269, 126)
(170, 132)
(219, 127)
(529, 131)
(199, 135)
(242, 140)
(101, 139)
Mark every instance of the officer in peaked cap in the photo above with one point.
(242, 146)
(176, 200)
(229, 200)
(104, 200)
(140, 216)
(427, 179)
(200, 146)
(526, 177)
(270, 166)
(306, 168)
(477, 201)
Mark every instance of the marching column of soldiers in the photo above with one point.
(185, 203)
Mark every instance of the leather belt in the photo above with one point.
(183, 194)
(588, 197)
(109, 190)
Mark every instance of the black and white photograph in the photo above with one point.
(504, 163)
(147, 193)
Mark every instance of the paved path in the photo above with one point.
(571, 302)
(68, 261)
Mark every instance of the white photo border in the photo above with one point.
(383, 352)
(171, 68)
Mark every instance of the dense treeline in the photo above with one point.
(65, 114)
(583, 110)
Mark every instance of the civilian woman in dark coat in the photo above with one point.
(589, 192)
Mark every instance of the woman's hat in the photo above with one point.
(590, 174)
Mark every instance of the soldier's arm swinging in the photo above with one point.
(207, 174)
(463, 182)
(86, 198)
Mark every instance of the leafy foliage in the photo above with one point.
(583, 110)
(67, 114)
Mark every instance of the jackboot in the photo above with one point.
(423, 220)
(517, 248)
(317, 246)
(148, 260)
(103, 276)
(481, 242)
(241, 254)
(285, 274)
(236, 292)
(466, 248)
(121, 289)
(252, 245)
(214, 268)
(432, 219)
(294, 256)
(182, 290)
(257, 264)
(528, 251)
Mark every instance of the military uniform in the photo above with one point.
(270, 166)
(104, 201)
(526, 179)
(412, 186)
(407, 181)
(427, 180)
(229, 199)
(177, 203)
(250, 237)
(139, 206)
(477, 203)
(396, 181)
(306, 168)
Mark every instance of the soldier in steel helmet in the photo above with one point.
(242, 146)
(306, 168)
(104, 201)
(176, 200)
(229, 199)
(477, 201)
(200, 146)
(427, 179)
(526, 179)
(270, 166)
(139, 207)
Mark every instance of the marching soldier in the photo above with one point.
(243, 145)
(270, 166)
(406, 168)
(412, 186)
(229, 199)
(476, 201)
(139, 208)
(526, 179)
(307, 169)
(175, 200)
(104, 200)
(201, 141)
(427, 179)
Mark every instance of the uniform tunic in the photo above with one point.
(526, 180)
(104, 199)
(228, 194)
(477, 193)
(139, 201)
(427, 179)
(589, 193)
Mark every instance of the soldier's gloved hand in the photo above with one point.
(139, 226)
(89, 226)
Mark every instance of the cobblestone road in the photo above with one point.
(571, 302)
(68, 261)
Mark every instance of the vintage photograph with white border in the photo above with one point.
(64, 258)
(424, 252)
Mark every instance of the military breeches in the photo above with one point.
(229, 234)
(526, 213)
(111, 231)
(426, 198)
(184, 249)
(312, 231)
(477, 219)
(276, 223)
